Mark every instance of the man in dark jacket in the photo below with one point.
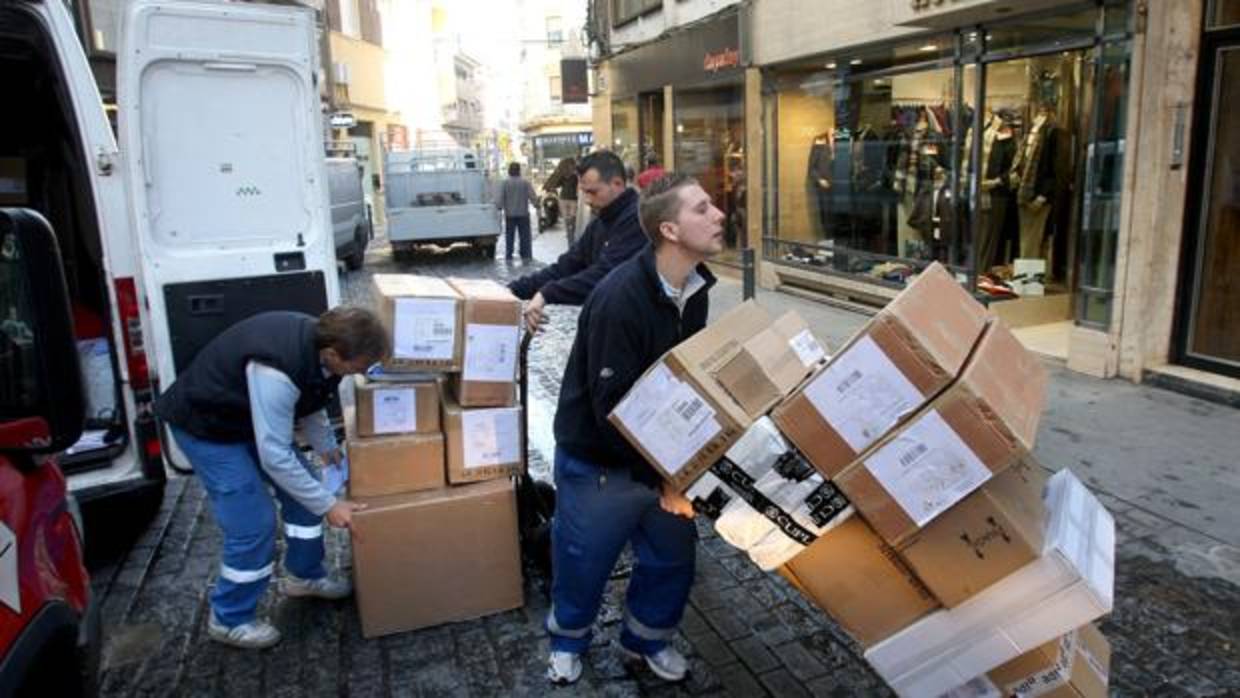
(563, 182)
(607, 495)
(612, 237)
(233, 413)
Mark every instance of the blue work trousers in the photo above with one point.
(598, 510)
(245, 511)
(520, 225)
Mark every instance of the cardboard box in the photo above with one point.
(982, 424)
(483, 443)
(492, 321)
(1077, 665)
(902, 358)
(1070, 585)
(677, 415)
(385, 408)
(771, 364)
(982, 539)
(766, 500)
(434, 557)
(383, 465)
(860, 582)
(422, 315)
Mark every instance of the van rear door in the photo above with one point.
(222, 144)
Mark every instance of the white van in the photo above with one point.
(213, 208)
(350, 219)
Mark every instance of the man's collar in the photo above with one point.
(613, 210)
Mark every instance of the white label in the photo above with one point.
(395, 410)
(490, 352)
(808, 350)
(927, 468)
(668, 418)
(425, 328)
(491, 437)
(862, 395)
(10, 591)
(335, 477)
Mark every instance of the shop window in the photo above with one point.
(104, 24)
(709, 145)
(623, 11)
(624, 133)
(1045, 32)
(1225, 13)
(555, 31)
(1118, 18)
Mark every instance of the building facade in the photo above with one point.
(555, 117)
(1068, 160)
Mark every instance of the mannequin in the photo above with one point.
(997, 202)
(1034, 171)
(921, 164)
(819, 177)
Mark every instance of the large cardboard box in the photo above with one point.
(856, 578)
(984, 538)
(433, 557)
(1072, 584)
(771, 364)
(385, 408)
(483, 443)
(905, 355)
(982, 424)
(1077, 665)
(383, 465)
(766, 500)
(677, 415)
(492, 317)
(422, 315)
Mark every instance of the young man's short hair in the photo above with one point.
(607, 164)
(661, 203)
(514, 169)
(353, 332)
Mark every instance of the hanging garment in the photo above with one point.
(819, 172)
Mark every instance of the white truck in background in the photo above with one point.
(438, 197)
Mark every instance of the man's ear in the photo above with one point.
(669, 231)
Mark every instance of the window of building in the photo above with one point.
(710, 146)
(624, 133)
(555, 31)
(557, 93)
(104, 25)
(350, 19)
(623, 11)
(1225, 13)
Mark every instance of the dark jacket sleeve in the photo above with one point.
(616, 356)
(572, 261)
(626, 240)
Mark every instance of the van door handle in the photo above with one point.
(234, 67)
(206, 305)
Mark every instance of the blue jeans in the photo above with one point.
(521, 225)
(597, 512)
(245, 511)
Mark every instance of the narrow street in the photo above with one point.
(1175, 628)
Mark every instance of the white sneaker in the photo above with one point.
(668, 663)
(328, 587)
(255, 635)
(563, 668)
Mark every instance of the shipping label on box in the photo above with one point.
(423, 317)
(492, 317)
(902, 358)
(490, 353)
(669, 418)
(482, 443)
(385, 408)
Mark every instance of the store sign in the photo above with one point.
(343, 119)
(923, 5)
(706, 53)
(722, 60)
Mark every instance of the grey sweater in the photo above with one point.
(515, 197)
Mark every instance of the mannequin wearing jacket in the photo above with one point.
(921, 164)
(819, 177)
(1000, 227)
(1034, 173)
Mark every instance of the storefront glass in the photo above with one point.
(710, 146)
(985, 152)
(651, 127)
(625, 132)
(1214, 329)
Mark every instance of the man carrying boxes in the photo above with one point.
(607, 494)
(232, 412)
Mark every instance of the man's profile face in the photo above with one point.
(699, 223)
(597, 192)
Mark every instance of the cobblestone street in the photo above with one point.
(1175, 628)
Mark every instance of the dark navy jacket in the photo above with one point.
(624, 327)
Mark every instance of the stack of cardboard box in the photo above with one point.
(964, 556)
(432, 439)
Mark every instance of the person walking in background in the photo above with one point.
(563, 181)
(653, 171)
(516, 196)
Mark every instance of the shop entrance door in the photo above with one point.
(1209, 332)
(650, 116)
(710, 146)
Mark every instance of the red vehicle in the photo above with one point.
(49, 631)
